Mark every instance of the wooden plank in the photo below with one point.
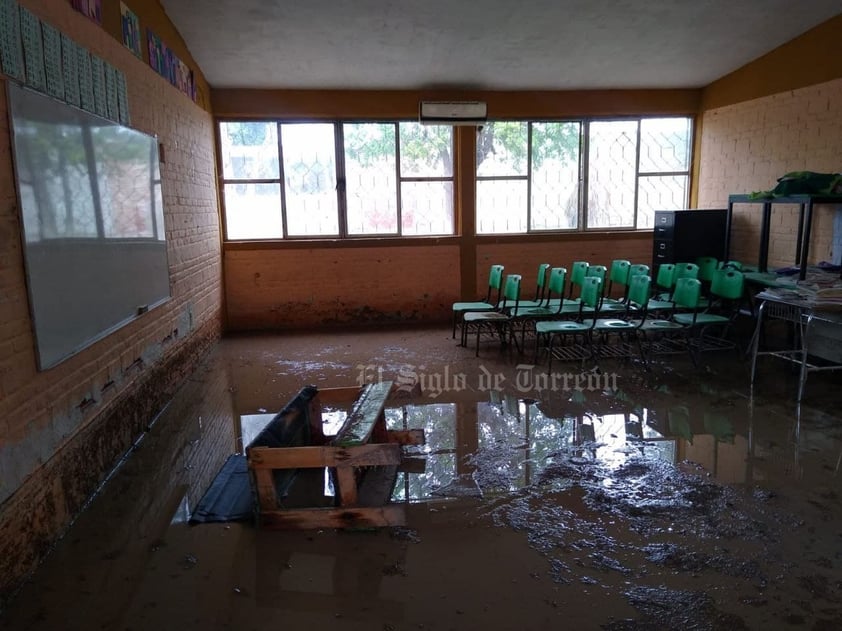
(264, 481)
(346, 485)
(357, 517)
(367, 410)
(261, 458)
(406, 436)
(314, 414)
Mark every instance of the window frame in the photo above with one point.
(341, 182)
(583, 215)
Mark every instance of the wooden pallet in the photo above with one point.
(363, 459)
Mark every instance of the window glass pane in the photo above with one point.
(371, 178)
(664, 144)
(249, 150)
(426, 150)
(663, 192)
(612, 171)
(501, 148)
(310, 179)
(427, 207)
(253, 211)
(501, 206)
(555, 176)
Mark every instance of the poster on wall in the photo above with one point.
(167, 64)
(122, 98)
(10, 47)
(157, 54)
(89, 8)
(111, 98)
(70, 70)
(98, 74)
(52, 60)
(33, 50)
(86, 79)
(131, 30)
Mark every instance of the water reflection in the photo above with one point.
(504, 443)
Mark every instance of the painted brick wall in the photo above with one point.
(53, 453)
(295, 288)
(523, 258)
(745, 147)
(301, 288)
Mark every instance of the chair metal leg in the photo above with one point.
(550, 352)
(755, 342)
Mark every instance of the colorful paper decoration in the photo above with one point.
(131, 30)
(89, 8)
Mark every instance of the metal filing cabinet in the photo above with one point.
(681, 236)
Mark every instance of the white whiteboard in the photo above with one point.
(93, 226)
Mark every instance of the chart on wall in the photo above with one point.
(47, 60)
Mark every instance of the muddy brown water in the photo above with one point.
(615, 499)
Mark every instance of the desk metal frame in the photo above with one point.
(802, 314)
(805, 225)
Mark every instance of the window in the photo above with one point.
(527, 176)
(284, 179)
(530, 174)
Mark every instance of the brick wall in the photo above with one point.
(524, 258)
(745, 147)
(302, 288)
(54, 453)
(299, 288)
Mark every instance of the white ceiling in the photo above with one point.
(484, 44)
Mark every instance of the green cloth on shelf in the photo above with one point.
(803, 183)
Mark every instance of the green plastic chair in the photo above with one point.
(598, 271)
(727, 285)
(618, 274)
(495, 283)
(664, 284)
(638, 269)
(686, 294)
(553, 306)
(497, 321)
(686, 270)
(646, 329)
(625, 326)
(553, 301)
(540, 288)
(578, 271)
(707, 266)
(550, 330)
(726, 289)
(665, 278)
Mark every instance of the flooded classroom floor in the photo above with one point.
(618, 499)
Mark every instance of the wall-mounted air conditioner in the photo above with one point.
(452, 112)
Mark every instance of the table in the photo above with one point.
(817, 345)
(805, 224)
